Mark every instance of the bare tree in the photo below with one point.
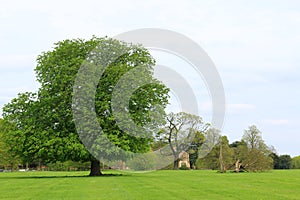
(253, 138)
(180, 131)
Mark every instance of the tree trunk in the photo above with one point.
(221, 159)
(237, 166)
(95, 168)
(176, 163)
(123, 165)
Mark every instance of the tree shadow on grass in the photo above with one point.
(57, 176)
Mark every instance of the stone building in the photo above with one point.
(184, 159)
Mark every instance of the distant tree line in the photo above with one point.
(249, 154)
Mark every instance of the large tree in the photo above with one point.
(44, 121)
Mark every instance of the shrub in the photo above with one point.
(183, 167)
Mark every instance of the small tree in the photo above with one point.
(220, 157)
(209, 153)
(258, 158)
(194, 149)
(284, 162)
(296, 162)
(275, 158)
(225, 154)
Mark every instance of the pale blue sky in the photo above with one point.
(255, 45)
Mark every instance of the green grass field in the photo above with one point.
(152, 185)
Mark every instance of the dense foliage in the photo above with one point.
(40, 126)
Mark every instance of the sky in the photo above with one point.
(255, 46)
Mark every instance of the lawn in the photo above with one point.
(152, 185)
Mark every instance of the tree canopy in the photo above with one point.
(42, 124)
